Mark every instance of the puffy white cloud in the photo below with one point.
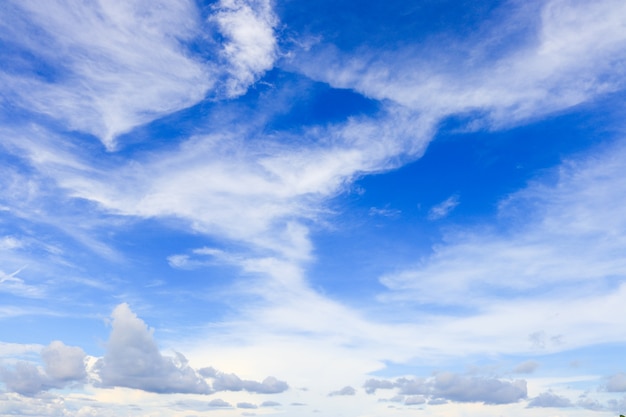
(469, 389)
(246, 405)
(63, 365)
(219, 403)
(415, 400)
(347, 390)
(454, 387)
(270, 404)
(548, 399)
(371, 385)
(25, 378)
(231, 382)
(617, 383)
(590, 403)
(133, 360)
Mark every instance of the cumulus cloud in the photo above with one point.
(371, 385)
(590, 403)
(617, 383)
(270, 404)
(348, 390)
(25, 378)
(133, 360)
(415, 400)
(454, 387)
(63, 365)
(231, 382)
(246, 405)
(548, 399)
(219, 403)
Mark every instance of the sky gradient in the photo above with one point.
(334, 208)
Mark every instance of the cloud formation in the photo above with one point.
(444, 208)
(133, 360)
(454, 387)
(250, 47)
(63, 365)
(617, 383)
(121, 67)
(231, 382)
(548, 399)
(541, 70)
(567, 231)
(347, 390)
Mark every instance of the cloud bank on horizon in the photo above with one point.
(249, 207)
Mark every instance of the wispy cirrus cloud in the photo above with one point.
(106, 67)
(567, 53)
(568, 232)
(441, 210)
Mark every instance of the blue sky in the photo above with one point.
(339, 208)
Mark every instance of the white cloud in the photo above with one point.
(566, 233)
(25, 378)
(569, 53)
(133, 360)
(250, 48)
(444, 208)
(115, 65)
(218, 403)
(455, 387)
(231, 382)
(548, 399)
(64, 365)
(242, 186)
(13, 284)
(347, 390)
(526, 367)
(617, 383)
